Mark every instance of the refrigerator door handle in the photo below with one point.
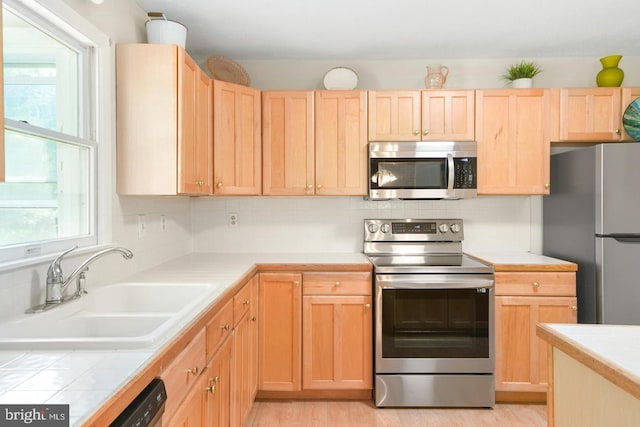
(621, 237)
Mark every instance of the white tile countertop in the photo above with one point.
(612, 351)
(87, 379)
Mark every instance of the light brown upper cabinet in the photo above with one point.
(428, 115)
(288, 143)
(237, 146)
(514, 128)
(341, 143)
(162, 131)
(594, 114)
(394, 115)
(448, 115)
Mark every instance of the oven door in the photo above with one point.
(434, 323)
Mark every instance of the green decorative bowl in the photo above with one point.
(631, 119)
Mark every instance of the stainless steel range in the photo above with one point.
(434, 315)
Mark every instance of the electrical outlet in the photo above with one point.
(142, 227)
(233, 219)
(163, 223)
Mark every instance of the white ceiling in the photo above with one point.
(405, 29)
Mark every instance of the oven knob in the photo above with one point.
(443, 228)
(373, 228)
(384, 228)
(455, 228)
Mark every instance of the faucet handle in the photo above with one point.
(54, 269)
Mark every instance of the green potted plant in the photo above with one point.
(520, 75)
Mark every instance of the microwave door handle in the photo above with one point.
(451, 167)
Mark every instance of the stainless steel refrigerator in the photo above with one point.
(592, 217)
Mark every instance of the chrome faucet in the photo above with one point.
(56, 283)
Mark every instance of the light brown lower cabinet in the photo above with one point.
(208, 401)
(322, 341)
(524, 299)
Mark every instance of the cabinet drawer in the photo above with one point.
(182, 373)
(241, 303)
(357, 283)
(219, 327)
(536, 283)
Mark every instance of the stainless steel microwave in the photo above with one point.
(422, 170)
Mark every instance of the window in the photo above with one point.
(48, 200)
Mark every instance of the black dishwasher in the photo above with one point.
(146, 409)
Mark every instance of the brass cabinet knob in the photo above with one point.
(246, 302)
(367, 306)
(416, 132)
(211, 389)
(547, 186)
(219, 184)
(193, 370)
(574, 307)
(426, 132)
(226, 327)
(309, 187)
(319, 186)
(254, 318)
(338, 283)
(296, 283)
(536, 284)
(216, 379)
(618, 131)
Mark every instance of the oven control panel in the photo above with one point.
(438, 230)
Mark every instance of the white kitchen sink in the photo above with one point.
(124, 315)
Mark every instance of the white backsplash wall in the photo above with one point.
(335, 224)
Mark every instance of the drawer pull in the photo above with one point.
(193, 370)
(338, 283)
(211, 389)
(367, 306)
(574, 307)
(226, 327)
(245, 302)
(536, 284)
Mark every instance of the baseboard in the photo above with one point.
(316, 394)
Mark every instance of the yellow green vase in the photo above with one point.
(610, 75)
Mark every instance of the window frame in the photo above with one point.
(95, 129)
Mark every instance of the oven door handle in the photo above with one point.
(435, 284)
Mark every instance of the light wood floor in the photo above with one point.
(364, 414)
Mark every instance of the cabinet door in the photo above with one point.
(394, 115)
(337, 342)
(187, 78)
(341, 143)
(448, 115)
(253, 347)
(280, 322)
(514, 128)
(629, 94)
(218, 387)
(192, 412)
(591, 114)
(237, 139)
(240, 372)
(288, 143)
(203, 159)
(521, 357)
